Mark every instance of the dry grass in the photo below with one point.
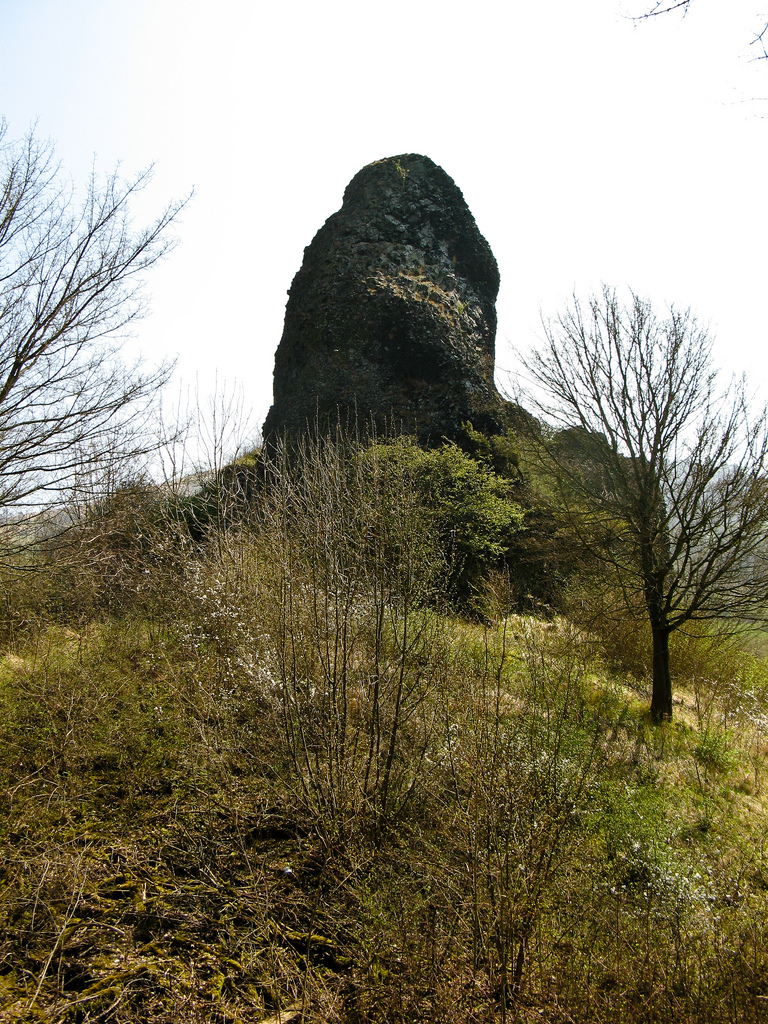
(283, 778)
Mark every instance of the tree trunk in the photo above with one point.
(661, 699)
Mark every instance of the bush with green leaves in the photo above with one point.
(469, 506)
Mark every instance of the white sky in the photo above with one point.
(588, 148)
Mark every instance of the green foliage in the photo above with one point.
(542, 557)
(469, 507)
(714, 750)
(499, 451)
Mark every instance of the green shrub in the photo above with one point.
(468, 505)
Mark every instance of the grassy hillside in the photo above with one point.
(273, 769)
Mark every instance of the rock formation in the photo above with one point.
(392, 316)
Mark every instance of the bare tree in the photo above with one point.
(667, 6)
(669, 487)
(70, 285)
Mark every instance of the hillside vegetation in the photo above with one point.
(348, 739)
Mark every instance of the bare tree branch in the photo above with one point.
(760, 41)
(70, 286)
(664, 7)
(667, 6)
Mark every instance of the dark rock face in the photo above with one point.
(392, 316)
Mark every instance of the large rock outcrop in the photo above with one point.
(392, 317)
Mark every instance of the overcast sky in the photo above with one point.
(589, 148)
